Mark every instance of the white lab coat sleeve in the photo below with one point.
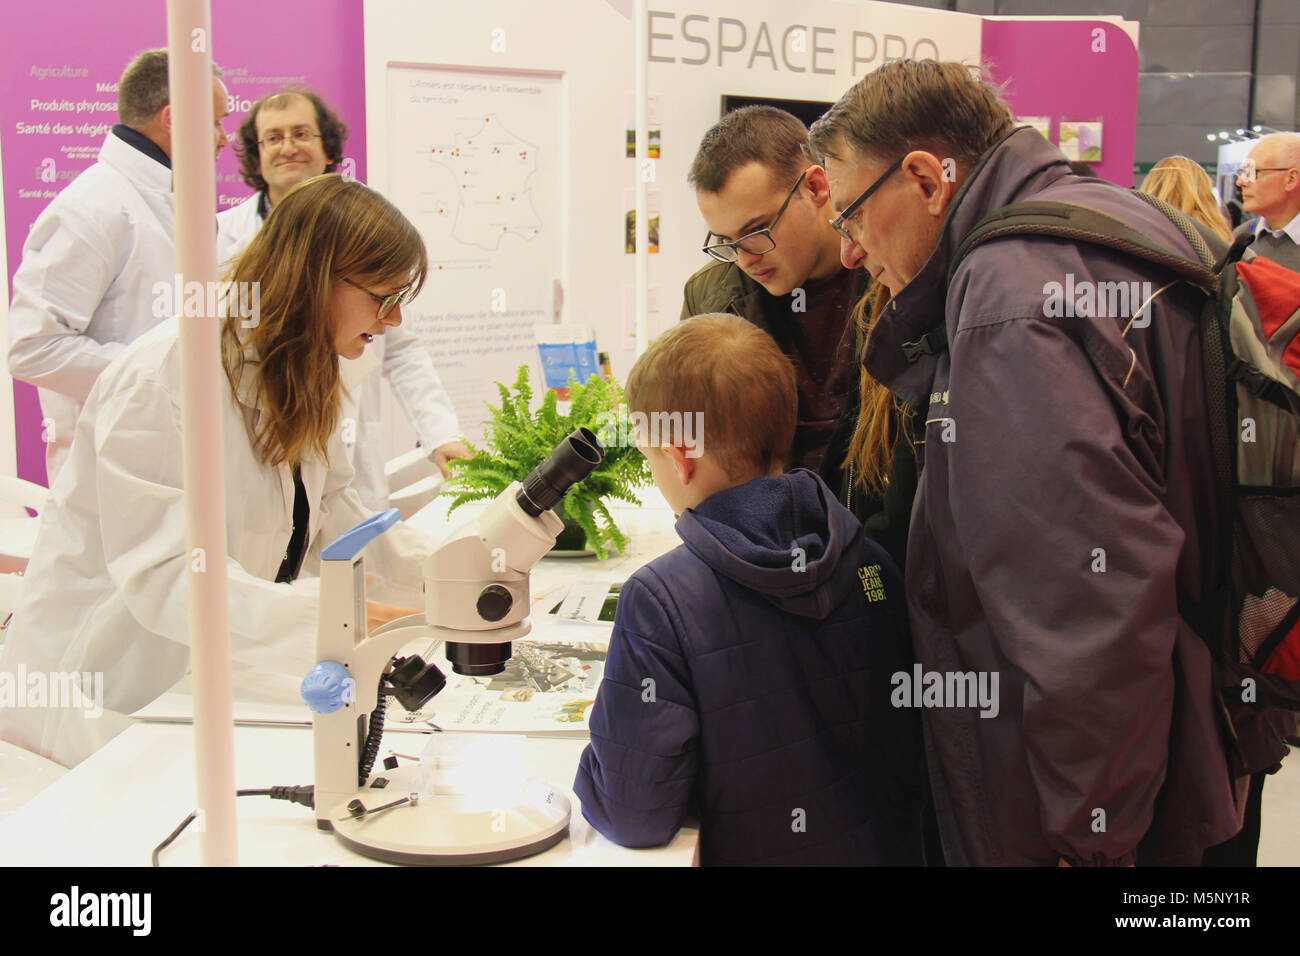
(138, 473)
(408, 366)
(395, 558)
(226, 241)
(68, 265)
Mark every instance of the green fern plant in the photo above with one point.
(515, 441)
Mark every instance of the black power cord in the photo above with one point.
(429, 685)
(374, 735)
(305, 796)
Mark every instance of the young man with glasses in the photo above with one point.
(777, 260)
(1270, 188)
(288, 137)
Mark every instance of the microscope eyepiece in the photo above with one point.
(573, 460)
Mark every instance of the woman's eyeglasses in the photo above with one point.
(386, 302)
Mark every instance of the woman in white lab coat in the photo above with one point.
(102, 627)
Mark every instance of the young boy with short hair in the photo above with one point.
(749, 673)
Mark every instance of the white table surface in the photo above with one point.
(118, 804)
(122, 801)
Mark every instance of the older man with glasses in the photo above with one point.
(777, 261)
(1066, 496)
(1270, 190)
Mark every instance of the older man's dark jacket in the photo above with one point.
(1066, 494)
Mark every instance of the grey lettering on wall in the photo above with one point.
(857, 58)
(761, 38)
(650, 15)
(702, 41)
(897, 52)
(722, 46)
(785, 45)
(803, 48)
(817, 32)
(916, 50)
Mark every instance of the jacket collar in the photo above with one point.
(1022, 164)
(145, 170)
(744, 296)
(143, 143)
(748, 299)
(1291, 230)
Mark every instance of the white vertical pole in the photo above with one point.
(189, 60)
(642, 289)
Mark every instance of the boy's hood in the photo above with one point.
(782, 537)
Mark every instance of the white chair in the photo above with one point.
(413, 481)
(11, 590)
(18, 532)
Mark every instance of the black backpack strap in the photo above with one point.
(1195, 232)
(1082, 224)
(1210, 616)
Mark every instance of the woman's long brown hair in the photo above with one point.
(325, 230)
(1185, 185)
(871, 450)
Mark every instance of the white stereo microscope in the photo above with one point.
(476, 603)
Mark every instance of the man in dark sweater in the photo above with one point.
(1269, 180)
(752, 670)
(1270, 189)
(778, 260)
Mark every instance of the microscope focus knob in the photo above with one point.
(327, 687)
(494, 602)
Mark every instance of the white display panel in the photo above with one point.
(699, 51)
(474, 161)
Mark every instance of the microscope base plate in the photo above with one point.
(452, 830)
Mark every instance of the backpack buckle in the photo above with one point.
(932, 343)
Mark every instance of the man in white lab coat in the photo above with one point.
(288, 137)
(85, 287)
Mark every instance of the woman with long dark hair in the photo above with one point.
(105, 601)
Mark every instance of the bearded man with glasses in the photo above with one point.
(777, 261)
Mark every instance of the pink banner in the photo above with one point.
(1081, 76)
(59, 65)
